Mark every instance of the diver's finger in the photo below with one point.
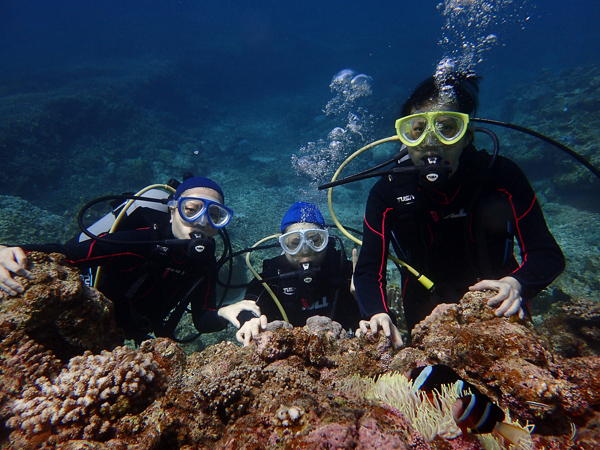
(504, 307)
(364, 326)
(504, 293)
(396, 339)
(240, 335)
(20, 258)
(7, 289)
(10, 286)
(514, 308)
(252, 306)
(263, 321)
(484, 285)
(385, 326)
(16, 268)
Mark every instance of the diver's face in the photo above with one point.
(182, 229)
(431, 146)
(306, 254)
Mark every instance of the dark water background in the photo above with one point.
(101, 97)
(242, 50)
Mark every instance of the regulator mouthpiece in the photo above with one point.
(307, 275)
(433, 173)
(200, 246)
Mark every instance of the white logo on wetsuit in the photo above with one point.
(88, 278)
(405, 198)
(461, 213)
(317, 305)
(291, 290)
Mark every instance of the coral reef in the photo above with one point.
(289, 389)
(66, 383)
(23, 223)
(86, 397)
(58, 311)
(511, 362)
(562, 106)
(573, 327)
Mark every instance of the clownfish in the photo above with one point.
(430, 378)
(477, 413)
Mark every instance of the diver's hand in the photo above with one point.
(231, 312)
(381, 321)
(509, 295)
(250, 329)
(12, 260)
(354, 260)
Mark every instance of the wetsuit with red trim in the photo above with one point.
(457, 235)
(302, 300)
(146, 282)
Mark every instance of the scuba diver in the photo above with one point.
(451, 212)
(310, 278)
(153, 271)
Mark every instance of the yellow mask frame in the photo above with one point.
(448, 127)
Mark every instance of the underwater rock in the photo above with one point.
(510, 361)
(573, 327)
(58, 311)
(287, 389)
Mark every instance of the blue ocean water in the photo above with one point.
(276, 46)
(104, 97)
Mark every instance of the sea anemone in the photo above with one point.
(430, 415)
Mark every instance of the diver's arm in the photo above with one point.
(204, 311)
(370, 271)
(94, 253)
(542, 258)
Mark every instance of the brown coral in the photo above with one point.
(59, 311)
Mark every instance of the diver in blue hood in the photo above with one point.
(454, 218)
(154, 270)
(311, 277)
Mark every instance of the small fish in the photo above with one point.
(540, 405)
(430, 378)
(477, 413)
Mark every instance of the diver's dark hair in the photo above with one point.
(465, 88)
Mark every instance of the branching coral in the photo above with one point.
(84, 400)
(430, 415)
(229, 396)
(22, 360)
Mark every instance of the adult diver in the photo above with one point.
(155, 270)
(452, 213)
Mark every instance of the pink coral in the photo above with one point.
(87, 396)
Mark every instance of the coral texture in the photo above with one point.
(87, 396)
(511, 362)
(59, 311)
(288, 389)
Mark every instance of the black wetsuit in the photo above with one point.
(146, 282)
(302, 300)
(456, 236)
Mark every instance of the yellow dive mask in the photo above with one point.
(448, 126)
